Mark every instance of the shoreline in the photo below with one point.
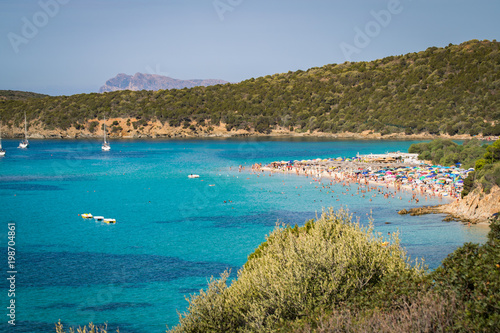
(349, 176)
(121, 128)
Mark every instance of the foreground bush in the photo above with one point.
(296, 273)
(472, 273)
(332, 275)
(91, 329)
(462, 295)
(427, 312)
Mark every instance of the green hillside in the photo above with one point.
(451, 90)
(19, 95)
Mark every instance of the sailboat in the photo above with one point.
(25, 143)
(2, 151)
(105, 145)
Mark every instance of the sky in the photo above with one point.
(66, 47)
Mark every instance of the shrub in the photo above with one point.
(468, 183)
(480, 163)
(116, 129)
(91, 329)
(428, 312)
(296, 272)
(472, 273)
(92, 126)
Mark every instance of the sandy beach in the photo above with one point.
(389, 179)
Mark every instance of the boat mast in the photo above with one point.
(104, 129)
(25, 128)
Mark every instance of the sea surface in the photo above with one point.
(172, 233)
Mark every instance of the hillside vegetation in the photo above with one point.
(446, 152)
(19, 95)
(451, 90)
(487, 171)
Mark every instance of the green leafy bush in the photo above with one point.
(447, 152)
(487, 171)
(472, 273)
(92, 126)
(298, 271)
(90, 329)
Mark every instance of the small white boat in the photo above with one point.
(193, 176)
(105, 146)
(25, 143)
(99, 218)
(109, 221)
(87, 216)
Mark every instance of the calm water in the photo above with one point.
(172, 233)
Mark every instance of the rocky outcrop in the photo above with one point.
(125, 128)
(422, 210)
(476, 207)
(141, 81)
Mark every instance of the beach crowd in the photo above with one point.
(418, 178)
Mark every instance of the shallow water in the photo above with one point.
(172, 232)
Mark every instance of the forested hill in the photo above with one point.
(451, 90)
(18, 95)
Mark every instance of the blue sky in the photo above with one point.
(65, 47)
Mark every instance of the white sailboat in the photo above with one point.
(25, 143)
(105, 145)
(2, 151)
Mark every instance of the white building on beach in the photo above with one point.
(392, 157)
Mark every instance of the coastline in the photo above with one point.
(120, 128)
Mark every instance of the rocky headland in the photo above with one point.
(475, 207)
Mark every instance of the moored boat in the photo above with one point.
(105, 145)
(87, 216)
(25, 143)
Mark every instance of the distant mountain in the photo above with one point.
(141, 81)
(19, 95)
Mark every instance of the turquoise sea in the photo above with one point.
(172, 232)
